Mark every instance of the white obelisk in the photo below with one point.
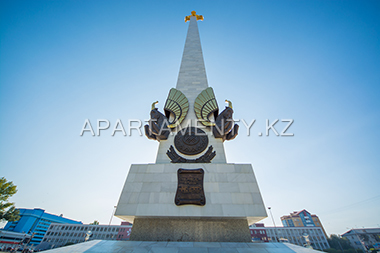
(232, 196)
(192, 80)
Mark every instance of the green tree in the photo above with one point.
(339, 245)
(331, 250)
(8, 211)
(365, 238)
(95, 222)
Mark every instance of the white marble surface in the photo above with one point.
(192, 80)
(231, 191)
(100, 246)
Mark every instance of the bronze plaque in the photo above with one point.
(190, 187)
(191, 141)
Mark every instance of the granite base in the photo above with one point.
(186, 230)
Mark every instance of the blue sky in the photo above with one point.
(317, 62)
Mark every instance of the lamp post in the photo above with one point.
(360, 241)
(339, 237)
(113, 212)
(274, 224)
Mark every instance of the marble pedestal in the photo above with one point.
(233, 201)
(190, 230)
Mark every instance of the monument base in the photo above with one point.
(190, 229)
(231, 192)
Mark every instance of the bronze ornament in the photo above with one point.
(157, 128)
(193, 14)
(205, 105)
(191, 141)
(205, 158)
(224, 125)
(177, 104)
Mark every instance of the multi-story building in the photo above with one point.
(12, 239)
(36, 222)
(302, 219)
(62, 234)
(258, 232)
(303, 236)
(124, 232)
(361, 238)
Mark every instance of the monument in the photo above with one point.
(190, 199)
(191, 193)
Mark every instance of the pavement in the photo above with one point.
(99, 246)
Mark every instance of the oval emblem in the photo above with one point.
(191, 141)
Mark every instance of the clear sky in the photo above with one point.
(317, 62)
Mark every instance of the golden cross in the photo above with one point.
(193, 14)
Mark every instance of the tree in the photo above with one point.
(8, 211)
(331, 250)
(339, 245)
(376, 237)
(95, 222)
(365, 238)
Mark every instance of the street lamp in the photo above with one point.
(113, 213)
(339, 237)
(360, 241)
(274, 224)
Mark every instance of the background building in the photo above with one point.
(12, 239)
(124, 231)
(61, 234)
(363, 237)
(36, 222)
(258, 232)
(296, 235)
(302, 219)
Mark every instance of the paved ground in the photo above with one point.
(99, 246)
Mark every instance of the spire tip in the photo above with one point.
(193, 14)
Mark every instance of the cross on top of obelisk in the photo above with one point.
(193, 14)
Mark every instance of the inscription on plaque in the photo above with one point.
(190, 187)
